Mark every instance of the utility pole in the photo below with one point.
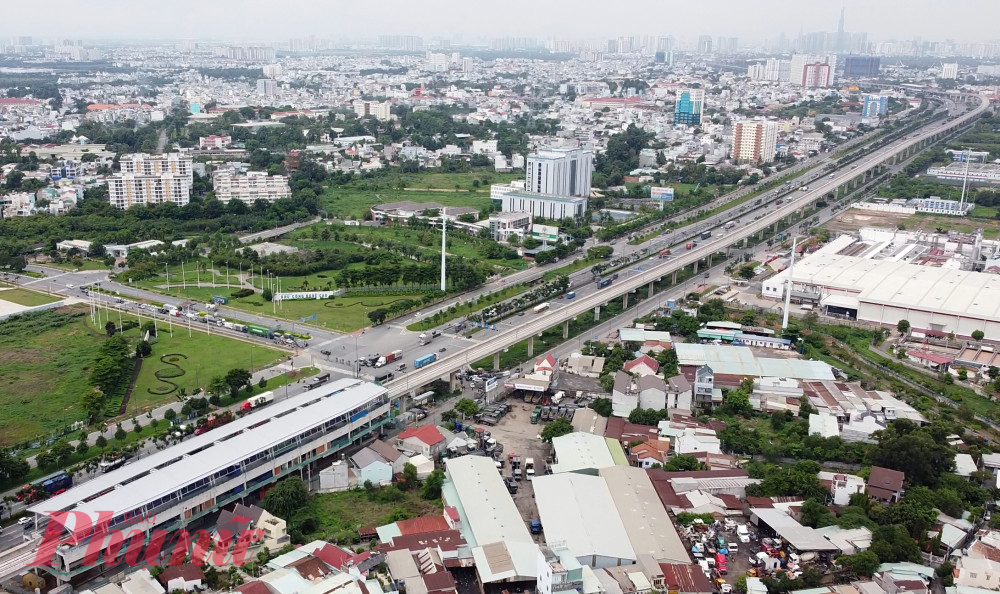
(788, 286)
(967, 153)
(444, 227)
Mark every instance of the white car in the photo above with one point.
(744, 538)
(68, 286)
(734, 547)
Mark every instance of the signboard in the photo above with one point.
(662, 194)
(304, 295)
(545, 232)
(491, 383)
(528, 387)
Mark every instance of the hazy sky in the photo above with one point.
(475, 19)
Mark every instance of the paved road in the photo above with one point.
(276, 232)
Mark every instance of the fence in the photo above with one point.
(35, 309)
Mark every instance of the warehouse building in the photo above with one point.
(503, 549)
(180, 486)
(583, 452)
(646, 521)
(937, 298)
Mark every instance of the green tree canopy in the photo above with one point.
(286, 498)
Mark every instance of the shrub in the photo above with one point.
(242, 293)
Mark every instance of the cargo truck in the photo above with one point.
(664, 253)
(424, 339)
(424, 360)
(389, 358)
(604, 282)
(541, 307)
(257, 401)
(529, 468)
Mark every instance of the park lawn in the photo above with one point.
(343, 314)
(352, 203)
(43, 374)
(88, 264)
(984, 212)
(339, 515)
(26, 298)
(448, 181)
(196, 360)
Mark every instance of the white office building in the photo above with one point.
(503, 225)
(949, 71)
(128, 189)
(437, 62)
(181, 486)
(143, 164)
(560, 171)
(255, 185)
(546, 206)
(754, 142)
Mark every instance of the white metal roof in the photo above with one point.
(203, 455)
(577, 509)
(646, 521)
(801, 537)
(484, 503)
(581, 451)
(740, 360)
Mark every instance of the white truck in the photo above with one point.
(425, 339)
(529, 468)
(541, 307)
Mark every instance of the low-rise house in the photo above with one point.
(390, 454)
(652, 392)
(651, 452)
(426, 440)
(186, 577)
(965, 466)
(643, 366)
(824, 425)
(679, 393)
(885, 485)
(841, 485)
(371, 467)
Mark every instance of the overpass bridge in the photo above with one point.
(863, 170)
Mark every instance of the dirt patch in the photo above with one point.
(23, 355)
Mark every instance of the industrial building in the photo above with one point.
(585, 453)
(888, 276)
(180, 486)
(977, 174)
(649, 527)
(548, 206)
(489, 521)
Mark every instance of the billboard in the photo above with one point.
(664, 194)
(545, 233)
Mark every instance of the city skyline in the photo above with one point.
(558, 19)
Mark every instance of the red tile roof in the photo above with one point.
(547, 362)
(187, 571)
(428, 434)
(446, 540)
(335, 557)
(311, 568)
(422, 525)
(643, 360)
(255, 587)
(8, 101)
(885, 478)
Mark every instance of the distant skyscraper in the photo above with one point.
(841, 36)
(688, 108)
(861, 66)
(660, 57)
(401, 42)
(705, 44)
(267, 87)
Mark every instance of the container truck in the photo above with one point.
(424, 360)
(424, 339)
(541, 307)
(260, 331)
(257, 401)
(604, 282)
(389, 358)
(214, 421)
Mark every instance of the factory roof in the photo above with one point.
(801, 537)
(483, 503)
(739, 360)
(580, 451)
(138, 483)
(645, 519)
(575, 509)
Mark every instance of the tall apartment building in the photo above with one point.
(705, 44)
(128, 189)
(247, 53)
(255, 185)
(875, 105)
(809, 71)
(689, 105)
(144, 164)
(560, 171)
(754, 142)
(267, 87)
(861, 66)
(401, 42)
(371, 109)
(949, 71)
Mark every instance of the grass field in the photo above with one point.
(87, 265)
(339, 515)
(48, 356)
(26, 298)
(350, 202)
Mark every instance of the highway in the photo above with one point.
(543, 321)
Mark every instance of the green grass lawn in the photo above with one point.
(447, 181)
(352, 202)
(190, 362)
(984, 212)
(87, 265)
(26, 297)
(43, 373)
(339, 515)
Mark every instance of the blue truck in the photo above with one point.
(570, 295)
(604, 282)
(424, 360)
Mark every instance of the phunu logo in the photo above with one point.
(116, 547)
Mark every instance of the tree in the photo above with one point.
(236, 379)
(377, 316)
(286, 498)
(262, 383)
(893, 544)
(602, 406)
(684, 462)
(120, 434)
(267, 294)
(101, 442)
(902, 326)
(466, 407)
(409, 479)
(110, 328)
(170, 414)
(148, 327)
(738, 403)
(911, 450)
(816, 515)
(863, 564)
(93, 402)
(746, 272)
(557, 428)
(977, 335)
(143, 349)
(12, 468)
(82, 447)
(432, 485)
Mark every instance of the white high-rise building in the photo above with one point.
(373, 109)
(267, 87)
(560, 171)
(128, 189)
(143, 164)
(811, 71)
(754, 142)
(949, 71)
(437, 62)
(255, 185)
